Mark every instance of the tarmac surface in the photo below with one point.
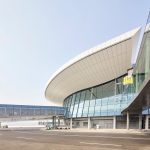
(36, 139)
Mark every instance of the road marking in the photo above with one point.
(120, 137)
(70, 135)
(25, 138)
(89, 136)
(110, 137)
(100, 144)
(33, 133)
(1, 134)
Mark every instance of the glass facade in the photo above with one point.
(29, 110)
(111, 98)
(107, 99)
(142, 68)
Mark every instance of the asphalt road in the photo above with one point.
(35, 139)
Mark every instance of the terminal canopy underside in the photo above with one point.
(96, 66)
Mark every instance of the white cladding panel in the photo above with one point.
(95, 66)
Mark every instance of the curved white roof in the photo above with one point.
(92, 67)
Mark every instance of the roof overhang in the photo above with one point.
(92, 67)
(141, 100)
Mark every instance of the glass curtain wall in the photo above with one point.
(108, 99)
(29, 110)
(142, 68)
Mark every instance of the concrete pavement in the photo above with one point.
(36, 139)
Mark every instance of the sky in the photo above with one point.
(39, 36)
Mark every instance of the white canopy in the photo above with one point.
(92, 67)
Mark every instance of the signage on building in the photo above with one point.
(129, 78)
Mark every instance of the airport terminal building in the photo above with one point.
(103, 88)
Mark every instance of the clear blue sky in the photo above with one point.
(39, 36)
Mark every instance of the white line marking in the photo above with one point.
(96, 136)
(33, 133)
(30, 132)
(70, 135)
(25, 138)
(118, 137)
(100, 144)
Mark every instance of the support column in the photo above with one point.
(70, 123)
(114, 122)
(140, 121)
(53, 121)
(58, 121)
(146, 122)
(89, 123)
(65, 122)
(128, 121)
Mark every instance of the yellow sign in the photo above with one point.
(127, 80)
